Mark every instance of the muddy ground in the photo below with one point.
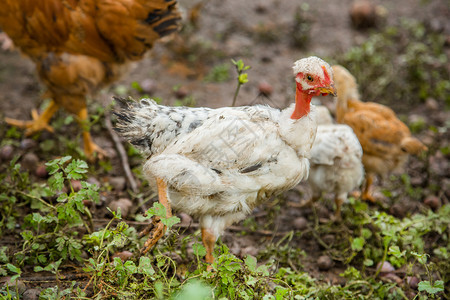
(259, 33)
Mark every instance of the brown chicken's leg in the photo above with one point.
(367, 193)
(157, 227)
(337, 214)
(209, 241)
(40, 122)
(89, 146)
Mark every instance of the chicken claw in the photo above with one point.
(156, 230)
(156, 227)
(39, 123)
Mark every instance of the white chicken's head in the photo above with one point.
(314, 76)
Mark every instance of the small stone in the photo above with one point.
(16, 284)
(324, 263)
(124, 255)
(93, 180)
(413, 282)
(432, 104)
(148, 86)
(29, 161)
(7, 152)
(181, 92)
(31, 294)
(118, 183)
(76, 185)
(41, 171)
(398, 210)
(432, 202)
(386, 267)
(265, 88)
(329, 239)
(300, 223)
(125, 205)
(88, 203)
(26, 144)
(391, 277)
(363, 14)
(249, 250)
(261, 8)
(185, 219)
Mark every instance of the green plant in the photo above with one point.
(242, 77)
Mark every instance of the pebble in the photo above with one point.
(324, 263)
(432, 202)
(363, 14)
(148, 86)
(265, 88)
(76, 185)
(29, 161)
(249, 250)
(41, 171)
(31, 294)
(413, 282)
(185, 219)
(432, 104)
(118, 183)
(300, 223)
(125, 205)
(94, 181)
(124, 255)
(7, 152)
(26, 144)
(386, 267)
(181, 92)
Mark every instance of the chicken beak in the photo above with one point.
(328, 90)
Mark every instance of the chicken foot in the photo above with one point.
(367, 193)
(209, 241)
(39, 123)
(89, 146)
(157, 229)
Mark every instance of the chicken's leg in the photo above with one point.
(209, 241)
(367, 193)
(159, 228)
(338, 200)
(40, 122)
(89, 146)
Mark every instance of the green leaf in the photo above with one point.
(243, 78)
(358, 243)
(395, 250)
(13, 269)
(250, 262)
(145, 266)
(422, 258)
(169, 222)
(199, 249)
(437, 287)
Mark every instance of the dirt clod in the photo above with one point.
(432, 202)
(41, 171)
(7, 152)
(31, 294)
(124, 255)
(300, 223)
(148, 86)
(30, 161)
(124, 203)
(324, 263)
(118, 183)
(27, 144)
(413, 282)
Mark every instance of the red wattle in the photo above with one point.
(302, 104)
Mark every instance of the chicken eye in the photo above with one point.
(309, 77)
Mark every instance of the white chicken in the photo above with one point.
(336, 160)
(218, 164)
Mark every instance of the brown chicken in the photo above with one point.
(79, 46)
(386, 141)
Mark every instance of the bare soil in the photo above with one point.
(259, 33)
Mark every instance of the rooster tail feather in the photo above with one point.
(412, 145)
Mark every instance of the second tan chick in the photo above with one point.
(386, 141)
